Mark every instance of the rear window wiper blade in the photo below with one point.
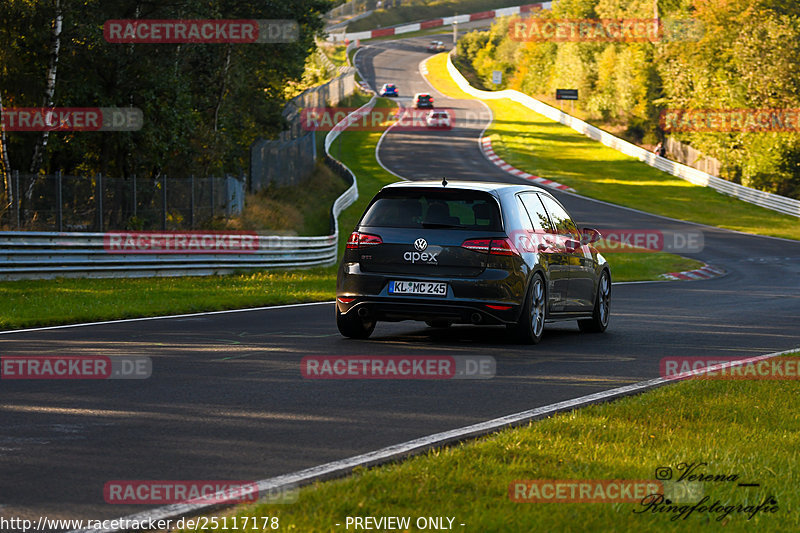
(437, 225)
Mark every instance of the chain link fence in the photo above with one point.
(348, 9)
(290, 159)
(100, 203)
(683, 153)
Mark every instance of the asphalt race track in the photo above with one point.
(226, 400)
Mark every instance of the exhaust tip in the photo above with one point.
(363, 312)
(476, 318)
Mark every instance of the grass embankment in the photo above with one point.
(419, 10)
(441, 30)
(749, 429)
(336, 53)
(290, 209)
(538, 145)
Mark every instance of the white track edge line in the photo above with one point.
(163, 317)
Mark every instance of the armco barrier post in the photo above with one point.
(15, 177)
(164, 203)
(191, 200)
(59, 204)
(212, 196)
(99, 203)
(133, 195)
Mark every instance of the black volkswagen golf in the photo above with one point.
(470, 253)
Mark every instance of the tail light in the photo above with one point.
(477, 245)
(492, 246)
(362, 240)
(502, 247)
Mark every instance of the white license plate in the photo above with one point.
(418, 287)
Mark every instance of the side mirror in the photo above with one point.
(590, 235)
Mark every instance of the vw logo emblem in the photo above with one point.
(420, 244)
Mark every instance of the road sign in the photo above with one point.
(566, 94)
(497, 77)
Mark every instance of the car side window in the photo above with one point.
(536, 212)
(561, 219)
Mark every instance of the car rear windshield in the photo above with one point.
(430, 209)
(424, 97)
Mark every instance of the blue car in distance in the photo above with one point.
(389, 89)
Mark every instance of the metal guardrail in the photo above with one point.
(45, 255)
(775, 202)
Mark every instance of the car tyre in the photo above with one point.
(530, 327)
(353, 326)
(602, 307)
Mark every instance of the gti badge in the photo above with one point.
(420, 244)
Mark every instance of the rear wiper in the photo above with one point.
(437, 225)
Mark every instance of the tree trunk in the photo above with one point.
(223, 87)
(49, 93)
(7, 194)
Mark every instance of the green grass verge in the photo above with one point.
(336, 53)
(68, 301)
(750, 429)
(647, 266)
(538, 145)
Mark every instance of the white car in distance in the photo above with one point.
(438, 118)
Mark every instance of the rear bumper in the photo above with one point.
(468, 299)
(418, 309)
